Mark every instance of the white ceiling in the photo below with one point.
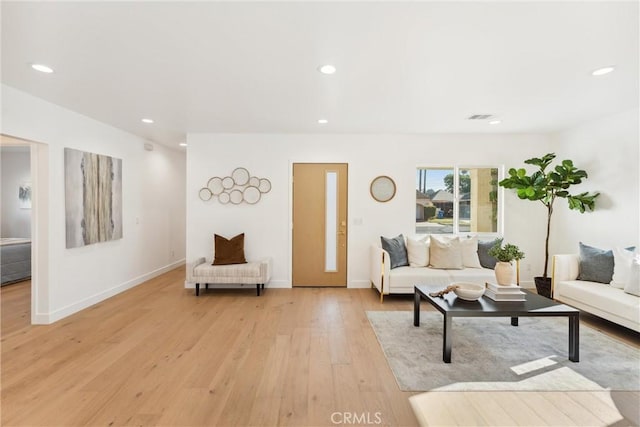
(414, 67)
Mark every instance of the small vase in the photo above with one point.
(504, 273)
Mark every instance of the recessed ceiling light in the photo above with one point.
(183, 144)
(495, 122)
(327, 69)
(602, 71)
(42, 68)
(147, 121)
(323, 121)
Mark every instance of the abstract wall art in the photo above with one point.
(24, 196)
(93, 198)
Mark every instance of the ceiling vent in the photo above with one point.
(480, 116)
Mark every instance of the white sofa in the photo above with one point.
(600, 299)
(401, 280)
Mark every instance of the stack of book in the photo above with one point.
(504, 293)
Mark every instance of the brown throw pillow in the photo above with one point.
(229, 251)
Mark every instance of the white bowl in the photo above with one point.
(468, 291)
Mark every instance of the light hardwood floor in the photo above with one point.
(157, 355)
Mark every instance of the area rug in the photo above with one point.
(490, 354)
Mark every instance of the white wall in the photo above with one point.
(267, 224)
(608, 149)
(16, 171)
(153, 207)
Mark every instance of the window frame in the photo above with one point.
(456, 198)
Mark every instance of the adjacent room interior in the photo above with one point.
(320, 213)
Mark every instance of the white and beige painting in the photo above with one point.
(93, 198)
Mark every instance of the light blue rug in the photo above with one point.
(490, 354)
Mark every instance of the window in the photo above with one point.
(452, 200)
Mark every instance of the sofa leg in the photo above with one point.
(206, 286)
(197, 289)
(262, 286)
(258, 289)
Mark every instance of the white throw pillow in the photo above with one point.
(621, 267)
(445, 253)
(418, 251)
(469, 249)
(633, 285)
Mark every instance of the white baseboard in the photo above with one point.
(359, 284)
(48, 318)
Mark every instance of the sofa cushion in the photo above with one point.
(469, 249)
(445, 252)
(249, 270)
(396, 249)
(418, 251)
(602, 297)
(229, 251)
(596, 265)
(407, 277)
(486, 260)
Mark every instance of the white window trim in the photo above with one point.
(456, 197)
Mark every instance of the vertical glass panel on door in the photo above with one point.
(331, 222)
(434, 200)
(478, 200)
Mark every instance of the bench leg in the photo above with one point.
(197, 289)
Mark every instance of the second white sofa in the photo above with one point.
(601, 299)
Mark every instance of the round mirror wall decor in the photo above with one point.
(251, 195)
(240, 176)
(237, 188)
(265, 185)
(236, 197)
(205, 194)
(227, 182)
(215, 185)
(383, 188)
(224, 198)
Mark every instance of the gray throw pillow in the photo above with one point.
(486, 260)
(596, 265)
(397, 250)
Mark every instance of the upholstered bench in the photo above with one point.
(250, 273)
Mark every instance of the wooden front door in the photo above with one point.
(320, 224)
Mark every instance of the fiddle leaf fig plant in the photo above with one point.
(547, 185)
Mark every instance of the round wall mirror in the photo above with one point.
(383, 188)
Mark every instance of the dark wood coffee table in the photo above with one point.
(451, 306)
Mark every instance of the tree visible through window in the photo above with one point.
(456, 200)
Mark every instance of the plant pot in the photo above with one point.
(504, 273)
(543, 286)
